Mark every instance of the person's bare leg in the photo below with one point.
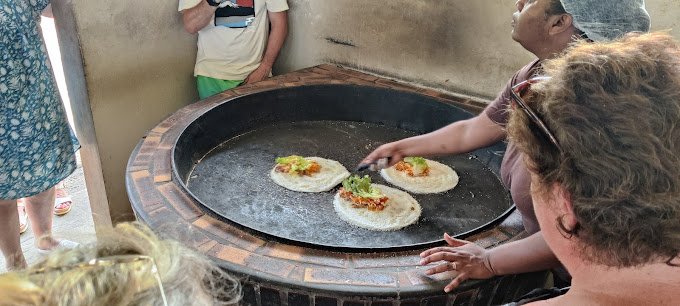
(10, 244)
(39, 209)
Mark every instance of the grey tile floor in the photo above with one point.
(77, 225)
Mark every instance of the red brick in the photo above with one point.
(228, 233)
(268, 83)
(230, 254)
(137, 175)
(358, 75)
(288, 77)
(322, 71)
(180, 201)
(306, 255)
(298, 274)
(159, 129)
(167, 123)
(250, 90)
(144, 186)
(327, 67)
(323, 82)
(312, 75)
(162, 164)
(205, 247)
(382, 260)
(351, 277)
(151, 142)
(293, 84)
(360, 82)
(165, 220)
(226, 95)
(269, 265)
(141, 162)
(396, 85)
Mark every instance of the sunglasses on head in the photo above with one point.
(521, 89)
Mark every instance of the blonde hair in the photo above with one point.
(74, 277)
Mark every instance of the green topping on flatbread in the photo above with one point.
(361, 186)
(297, 163)
(419, 164)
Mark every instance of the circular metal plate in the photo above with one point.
(224, 158)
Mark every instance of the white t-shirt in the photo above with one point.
(233, 53)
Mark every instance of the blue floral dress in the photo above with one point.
(36, 142)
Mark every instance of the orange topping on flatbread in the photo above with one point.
(408, 168)
(372, 204)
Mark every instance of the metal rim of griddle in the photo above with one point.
(339, 248)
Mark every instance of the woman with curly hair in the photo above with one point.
(129, 266)
(601, 138)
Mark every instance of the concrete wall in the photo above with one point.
(129, 63)
(133, 68)
(460, 46)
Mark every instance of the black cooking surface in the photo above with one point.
(225, 157)
(233, 181)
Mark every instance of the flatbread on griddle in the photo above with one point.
(440, 179)
(400, 211)
(331, 174)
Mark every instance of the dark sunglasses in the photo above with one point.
(521, 89)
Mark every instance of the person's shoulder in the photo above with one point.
(497, 109)
(528, 70)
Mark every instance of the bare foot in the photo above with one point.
(15, 262)
(46, 243)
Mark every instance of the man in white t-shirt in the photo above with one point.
(235, 44)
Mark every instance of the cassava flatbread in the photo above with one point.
(331, 174)
(401, 210)
(440, 179)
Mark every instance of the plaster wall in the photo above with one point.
(460, 46)
(136, 68)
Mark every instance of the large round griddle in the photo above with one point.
(224, 158)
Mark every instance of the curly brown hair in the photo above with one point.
(615, 110)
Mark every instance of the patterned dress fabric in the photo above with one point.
(37, 147)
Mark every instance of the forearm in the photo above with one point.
(277, 37)
(197, 17)
(527, 255)
(458, 137)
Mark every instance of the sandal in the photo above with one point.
(23, 217)
(63, 202)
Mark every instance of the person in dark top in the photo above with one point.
(545, 28)
(600, 135)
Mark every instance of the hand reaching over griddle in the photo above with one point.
(389, 152)
(464, 257)
(458, 137)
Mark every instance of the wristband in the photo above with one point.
(214, 2)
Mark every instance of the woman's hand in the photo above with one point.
(464, 257)
(391, 150)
